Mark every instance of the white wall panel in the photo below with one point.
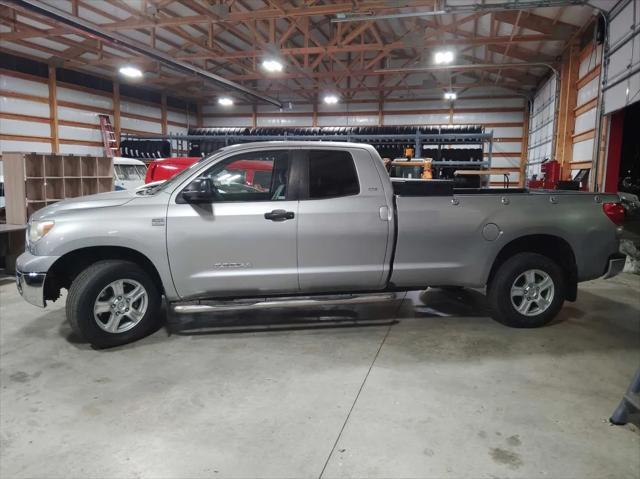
(177, 117)
(506, 147)
(26, 128)
(588, 92)
(284, 121)
(348, 120)
(424, 119)
(586, 121)
(506, 162)
(590, 62)
(480, 117)
(21, 85)
(237, 109)
(139, 109)
(81, 150)
(227, 121)
(26, 146)
(73, 114)
(76, 133)
(23, 107)
(583, 150)
(83, 98)
(141, 125)
(505, 131)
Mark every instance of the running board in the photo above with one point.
(288, 302)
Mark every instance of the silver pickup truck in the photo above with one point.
(277, 223)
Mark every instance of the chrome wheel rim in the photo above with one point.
(120, 306)
(532, 292)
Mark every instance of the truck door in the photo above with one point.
(344, 228)
(244, 242)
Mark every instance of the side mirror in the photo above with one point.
(201, 190)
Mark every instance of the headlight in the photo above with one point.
(38, 229)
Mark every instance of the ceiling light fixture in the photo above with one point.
(130, 71)
(443, 57)
(450, 95)
(331, 99)
(272, 66)
(225, 101)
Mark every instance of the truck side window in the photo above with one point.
(332, 173)
(253, 176)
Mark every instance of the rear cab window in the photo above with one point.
(332, 174)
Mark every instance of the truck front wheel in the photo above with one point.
(526, 291)
(113, 302)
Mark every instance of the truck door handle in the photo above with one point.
(279, 215)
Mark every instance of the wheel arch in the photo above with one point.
(553, 247)
(67, 267)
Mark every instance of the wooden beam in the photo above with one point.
(538, 23)
(525, 148)
(53, 110)
(115, 98)
(199, 116)
(566, 110)
(163, 113)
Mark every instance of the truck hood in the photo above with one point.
(101, 200)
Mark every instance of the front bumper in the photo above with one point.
(31, 287)
(615, 266)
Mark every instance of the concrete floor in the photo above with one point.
(441, 392)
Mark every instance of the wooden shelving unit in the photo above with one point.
(33, 180)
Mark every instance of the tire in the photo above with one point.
(545, 302)
(99, 283)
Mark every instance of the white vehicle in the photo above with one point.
(128, 174)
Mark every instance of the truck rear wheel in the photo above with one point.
(527, 291)
(113, 302)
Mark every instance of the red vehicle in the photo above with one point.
(254, 173)
(165, 168)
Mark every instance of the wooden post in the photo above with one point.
(254, 116)
(199, 117)
(116, 112)
(314, 118)
(566, 115)
(380, 109)
(600, 160)
(53, 110)
(163, 113)
(524, 153)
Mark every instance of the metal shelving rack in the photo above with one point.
(418, 140)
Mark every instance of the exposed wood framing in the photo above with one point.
(163, 113)
(525, 148)
(116, 111)
(53, 110)
(566, 112)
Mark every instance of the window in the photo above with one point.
(130, 172)
(331, 174)
(254, 176)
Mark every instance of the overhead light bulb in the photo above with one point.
(450, 95)
(443, 57)
(130, 71)
(225, 101)
(331, 99)
(273, 66)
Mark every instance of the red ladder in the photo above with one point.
(108, 136)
